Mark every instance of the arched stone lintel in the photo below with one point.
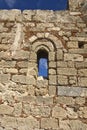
(46, 45)
(55, 41)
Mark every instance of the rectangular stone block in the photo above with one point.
(8, 64)
(22, 64)
(4, 78)
(49, 123)
(72, 91)
(82, 81)
(72, 44)
(51, 56)
(62, 64)
(19, 79)
(62, 80)
(66, 71)
(82, 72)
(21, 55)
(81, 64)
(59, 55)
(52, 80)
(73, 57)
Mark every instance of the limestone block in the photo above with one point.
(30, 90)
(40, 111)
(54, 29)
(42, 83)
(49, 123)
(4, 78)
(27, 15)
(7, 64)
(23, 71)
(43, 26)
(64, 100)
(59, 55)
(10, 15)
(11, 70)
(64, 124)
(32, 56)
(22, 64)
(4, 47)
(80, 100)
(27, 108)
(82, 82)
(52, 71)
(73, 44)
(81, 64)
(78, 51)
(73, 57)
(46, 100)
(82, 72)
(67, 71)
(19, 79)
(52, 80)
(77, 125)
(5, 109)
(51, 56)
(52, 64)
(62, 64)
(21, 55)
(71, 64)
(62, 80)
(71, 113)
(73, 80)
(5, 55)
(52, 90)
(30, 80)
(72, 91)
(28, 123)
(44, 16)
(59, 112)
(83, 112)
(17, 109)
(8, 121)
(33, 38)
(41, 92)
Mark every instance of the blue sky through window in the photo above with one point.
(34, 4)
(43, 67)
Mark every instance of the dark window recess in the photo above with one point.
(42, 60)
(81, 44)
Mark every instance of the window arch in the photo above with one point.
(42, 61)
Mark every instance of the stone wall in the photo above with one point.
(30, 102)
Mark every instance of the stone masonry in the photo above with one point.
(30, 102)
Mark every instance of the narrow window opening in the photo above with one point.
(42, 61)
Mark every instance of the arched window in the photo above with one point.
(42, 60)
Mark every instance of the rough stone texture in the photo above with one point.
(32, 102)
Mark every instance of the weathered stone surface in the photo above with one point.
(49, 123)
(19, 79)
(5, 109)
(59, 112)
(31, 102)
(82, 82)
(62, 80)
(28, 123)
(64, 100)
(72, 91)
(66, 71)
(4, 78)
(82, 72)
(21, 55)
(73, 57)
